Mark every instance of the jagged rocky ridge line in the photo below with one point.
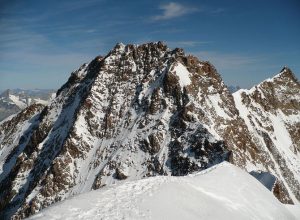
(139, 111)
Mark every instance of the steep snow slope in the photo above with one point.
(271, 111)
(221, 192)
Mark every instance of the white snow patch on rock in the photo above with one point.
(183, 74)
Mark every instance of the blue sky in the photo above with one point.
(43, 41)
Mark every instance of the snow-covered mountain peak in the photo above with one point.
(280, 92)
(139, 111)
(286, 72)
(271, 111)
(131, 114)
(284, 76)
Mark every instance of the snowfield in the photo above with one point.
(221, 192)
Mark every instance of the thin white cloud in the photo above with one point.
(187, 43)
(173, 10)
(218, 11)
(227, 60)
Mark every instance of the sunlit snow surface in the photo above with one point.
(183, 74)
(221, 192)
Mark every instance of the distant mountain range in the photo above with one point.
(148, 110)
(14, 100)
(233, 89)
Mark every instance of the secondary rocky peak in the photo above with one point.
(286, 70)
(279, 92)
(271, 111)
(285, 75)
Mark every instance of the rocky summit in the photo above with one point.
(146, 110)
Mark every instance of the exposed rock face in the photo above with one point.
(139, 111)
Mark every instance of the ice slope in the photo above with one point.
(221, 192)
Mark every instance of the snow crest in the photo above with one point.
(222, 191)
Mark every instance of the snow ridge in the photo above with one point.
(234, 192)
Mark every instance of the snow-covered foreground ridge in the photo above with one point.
(220, 192)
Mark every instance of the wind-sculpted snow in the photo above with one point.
(221, 192)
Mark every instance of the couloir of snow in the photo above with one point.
(221, 192)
